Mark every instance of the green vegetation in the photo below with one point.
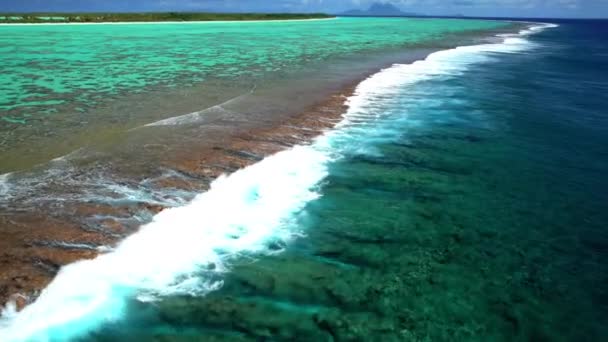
(145, 17)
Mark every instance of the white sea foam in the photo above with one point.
(240, 214)
(199, 115)
(38, 186)
(4, 184)
(70, 156)
(536, 28)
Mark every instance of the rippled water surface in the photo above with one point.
(461, 198)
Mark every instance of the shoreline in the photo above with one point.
(169, 22)
(337, 17)
(238, 151)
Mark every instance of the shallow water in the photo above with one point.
(56, 78)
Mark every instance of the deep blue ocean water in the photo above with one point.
(463, 198)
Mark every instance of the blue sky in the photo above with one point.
(521, 8)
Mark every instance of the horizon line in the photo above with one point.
(341, 14)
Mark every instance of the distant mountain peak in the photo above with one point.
(379, 9)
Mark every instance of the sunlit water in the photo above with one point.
(460, 199)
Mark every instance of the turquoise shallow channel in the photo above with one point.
(46, 66)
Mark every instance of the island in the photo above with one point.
(379, 9)
(21, 18)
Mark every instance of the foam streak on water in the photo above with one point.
(199, 115)
(4, 184)
(244, 213)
